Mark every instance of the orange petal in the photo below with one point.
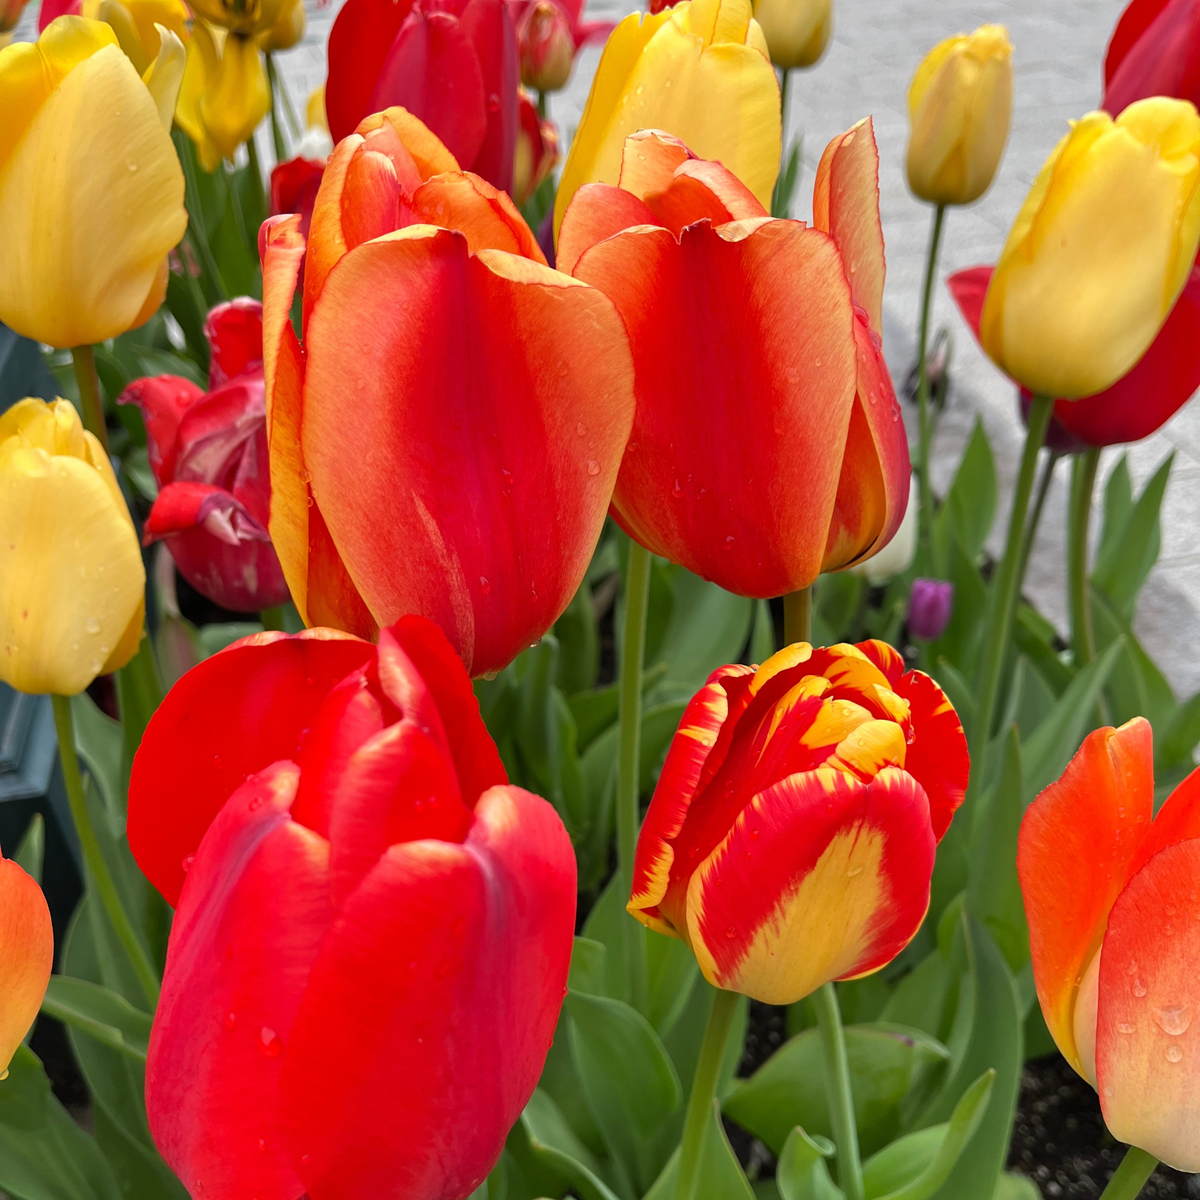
(27, 952)
(484, 215)
(426, 148)
(1177, 821)
(649, 160)
(371, 198)
(597, 211)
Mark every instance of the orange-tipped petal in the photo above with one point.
(597, 211)
(27, 953)
(427, 150)
(1176, 821)
(326, 242)
(484, 215)
(1078, 841)
(1148, 1026)
(649, 160)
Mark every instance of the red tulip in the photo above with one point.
(767, 444)
(294, 186)
(208, 452)
(371, 945)
(537, 151)
(57, 8)
(568, 18)
(1154, 51)
(480, 510)
(451, 63)
(1140, 402)
(545, 47)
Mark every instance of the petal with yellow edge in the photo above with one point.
(27, 952)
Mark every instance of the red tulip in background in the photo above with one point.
(1140, 402)
(537, 151)
(392, 922)
(451, 63)
(1154, 51)
(549, 34)
(767, 444)
(208, 451)
(294, 186)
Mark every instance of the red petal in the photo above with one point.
(1155, 51)
(486, 217)
(359, 43)
(1138, 16)
(597, 211)
(490, 27)
(235, 333)
(163, 400)
(1177, 820)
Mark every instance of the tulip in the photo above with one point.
(929, 608)
(1100, 251)
(481, 511)
(1112, 897)
(1154, 51)
(10, 14)
(959, 109)
(537, 151)
(797, 31)
(898, 555)
(767, 444)
(251, 19)
(374, 891)
(294, 187)
(208, 452)
(91, 192)
(451, 63)
(287, 30)
(135, 24)
(315, 109)
(699, 71)
(71, 574)
(27, 952)
(790, 840)
(1142, 400)
(545, 46)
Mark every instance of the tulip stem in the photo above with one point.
(93, 856)
(1136, 1167)
(272, 618)
(83, 358)
(1083, 482)
(280, 99)
(923, 415)
(633, 652)
(704, 1091)
(542, 104)
(1035, 516)
(838, 1093)
(797, 616)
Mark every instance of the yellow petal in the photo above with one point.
(314, 115)
(238, 97)
(200, 68)
(288, 28)
(165, 75)
(797, 31)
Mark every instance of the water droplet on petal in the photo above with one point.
(1174, 1019)
(269, 1042)
(852, 871)
(677, 491)
(187, 863)
(262, 1143)
(231, 1020)
(484, 586)
(1139, 988)
(92, 625)
(593, 467)
(1173, 1053)
(581, 429)
(1126, 1027)
(729, 542)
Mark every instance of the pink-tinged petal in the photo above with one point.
(486, 217)
(184, 506)
(492, 31)
(1148, 1010)
(235, 333)
(251, 920)
(163, 401)
(490, 918)
(359, 43)
(27, 952)
(233, 715)
(597, 211)
(51, 9)
(821, 877)
(1078, 841)
(1155, 51)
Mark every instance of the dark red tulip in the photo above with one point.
(1154, 51)
(371, 944)
(294, 186)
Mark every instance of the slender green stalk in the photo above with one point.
(279, 95)
(542, 104)
(106, 887)
(1136, 1167)
(776, 198)
(257, 174)
(197, 234)
(277, 138)
(633, 651)
(797, 616)
(1083, 483)
(704, 1090)
(1035, 516)
(272, 618)
(925, 423)
(83, 358)
(139, 693)
(838, 1094)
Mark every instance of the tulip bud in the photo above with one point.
(27, 952)
(1099, 252)
(959, 108)
(10, 14)
(797, 31)
(71, 574)
(545, 46)
(287, 30)
(929, 608)
(537, 151)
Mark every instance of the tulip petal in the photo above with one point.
(257, 902)
(489, 25)
(1178, 820)
(1147, 1054)
(598, 211)
(486, 217)
(493, 917)
(27, 952)
(235, 332)
(1138, 16)
(836, 885)
(1078, 840)
(359, 43)
(162, 400)
(231, 716)
(1154, 51)
(184, 506)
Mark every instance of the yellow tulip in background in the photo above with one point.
(71, 574)
(700, 71)
(251, 17)
(135, 22)
(797, 31)
(91, 191)
(287, 30)
(959, 109)
(10, 14)
(1099, 251)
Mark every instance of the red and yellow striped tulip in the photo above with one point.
(791, 838)
(1112, 894)
(27, 952)
(767, 445)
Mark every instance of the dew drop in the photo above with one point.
(1126, 1027)
(754, 835)
(641, 87)
(231, 1020)
(269, 1042)
(132, 165)
(3, 1075)
(484, 586)
(677, 491)
(562, 368)
(792, 374)
(255, 804)
(581, 429)
(1174, 1019)
(217, 760)
(305, 1159)
(92, 625)
(493, 102)
(262, 1143)
(731, 932)
(852, 871)
(729, 542)
(593, 467)
(1173, 1053)
(816, 362)
(508, 477)
(1139, 988)
(187, 863)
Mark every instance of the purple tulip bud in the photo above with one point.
(929, 608)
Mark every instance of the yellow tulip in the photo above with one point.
(1100, 250)
(136, 22)
(250, 17)
(71, 575)
(225, 93)
(700, 71)
(91, 192)
(797, 31)
(314, 115)
(959, 109)
(288, 28)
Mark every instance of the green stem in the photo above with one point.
(272, 618)
(256, 173)
(542, 104)
(776, 198)
(139, 693)
(704, 1090)
(838, 1094)
(281, 151)
(797, 616)
(925, 424)
(1083, 482)
(197, 233)
(633, 650)
(1035, 516)
(279, 95)
(84, 360)
(1136, 1167)
(101, 877)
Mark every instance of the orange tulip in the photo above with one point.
(26, 952)
(1112, 894)
(767, 446)
(447, 441)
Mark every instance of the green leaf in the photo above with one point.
(785, 185)
(1034, 638)
(707, 629)
(550, 1155)
(720, 1174)
(919, 999)
(100, 743)
(1126, 557)
(1135, 687)
(960, 642)
(762, 639)
(215, 638)
(802, 1173)
(588, 967)
(1118, 503)
(577, 636)
(970, 506)
(102, 1014)
(31, 851)
(1181, 735)
(1011, 1186)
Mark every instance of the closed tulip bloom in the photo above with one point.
(288, 28)
(790, 840)
(929, 608)
(336, 830)
(71, 574)
(959, 110)
(537, 151)
(1100, 251)
(91, 192)
(1154, 51)
(480, 512)
(767, 443)
(1111, 894)
(699, 71)
(27, 952)
(797, 31)
(545, 46)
